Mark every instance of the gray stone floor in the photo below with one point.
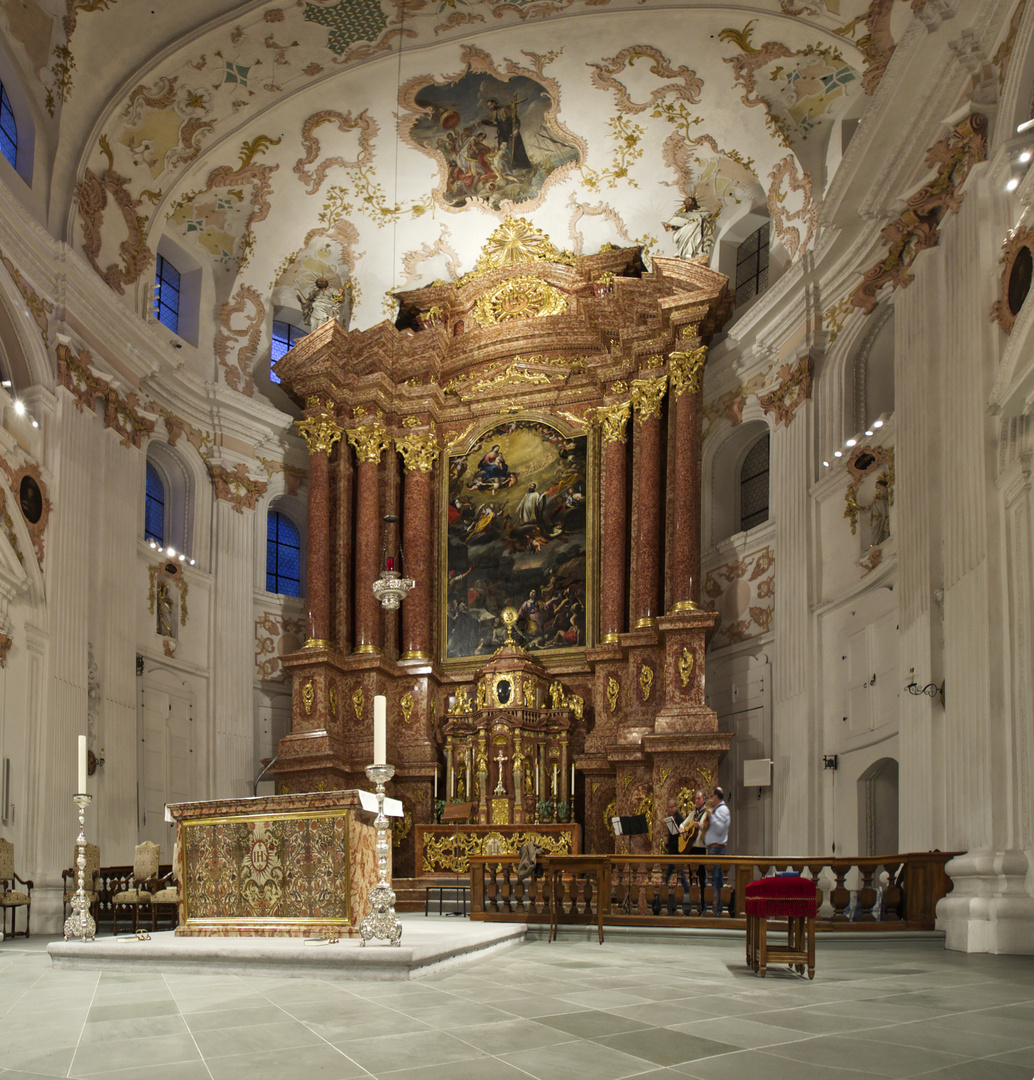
(649, 1006)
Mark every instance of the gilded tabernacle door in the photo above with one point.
(519, 532)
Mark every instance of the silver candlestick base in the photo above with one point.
(382, 922)
(80, 923)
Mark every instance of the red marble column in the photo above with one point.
(320, 433)
(686, 395)
(419, 453)
(369, 443)
(614, 585)
(343, 481)
(647, 395)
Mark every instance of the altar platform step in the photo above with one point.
(428, 945)
(411, 893)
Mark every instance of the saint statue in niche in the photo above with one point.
(324, 302)
(692, 227)
(879, 514)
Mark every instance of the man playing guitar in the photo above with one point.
(692, 840)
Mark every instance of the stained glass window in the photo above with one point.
(167, 294)
(8, 129)
(752, 266)
(154, 506)
(284, 338)
(754, 486)
(283, 555)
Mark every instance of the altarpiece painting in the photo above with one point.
(518, 533)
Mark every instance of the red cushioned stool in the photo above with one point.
(790, 898)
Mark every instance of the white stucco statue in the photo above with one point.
(693, 229)
(325, 302)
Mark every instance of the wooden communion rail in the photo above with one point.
(884, 893)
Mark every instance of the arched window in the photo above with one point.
(283, 555)
(285, 336)
(167, 294)
(154, 506)
(754, 485)
(8, 129)
(752, 266)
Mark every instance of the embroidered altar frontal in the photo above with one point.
(284, 865)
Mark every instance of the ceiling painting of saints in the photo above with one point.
(516, 530)
(496, 141)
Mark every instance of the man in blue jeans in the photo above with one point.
(716, 838)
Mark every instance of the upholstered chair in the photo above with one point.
(10, 896)
(168, 895)
(91, 880)
(144, 883)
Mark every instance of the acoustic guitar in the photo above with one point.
(691, 832)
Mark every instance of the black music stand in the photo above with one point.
(634, 825)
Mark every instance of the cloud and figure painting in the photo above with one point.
(517, 531)
(497, 141)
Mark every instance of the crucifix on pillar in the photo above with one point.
(500, 759)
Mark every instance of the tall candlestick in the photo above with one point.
(380, 730)
(81, 788)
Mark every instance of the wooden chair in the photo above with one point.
(10, 897)
(169, 896)
(141, 887)
(91, 880)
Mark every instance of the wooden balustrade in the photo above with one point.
(889, 892)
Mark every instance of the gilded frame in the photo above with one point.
(478, 442)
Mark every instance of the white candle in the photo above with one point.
(436, 782)
(572, 780)
(81, 788)
(556, 769)
(380, 730)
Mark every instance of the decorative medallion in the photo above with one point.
(1017, 264)
(522, 297)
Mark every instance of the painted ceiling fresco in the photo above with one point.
(378, 142)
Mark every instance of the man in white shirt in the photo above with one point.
(716, 838)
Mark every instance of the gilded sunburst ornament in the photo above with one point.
(517, 241)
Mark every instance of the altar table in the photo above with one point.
(292, 865)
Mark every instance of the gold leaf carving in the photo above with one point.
(613, 689)
(685, 666)
(369, 442)
(358, 700)
(407, 706)
(647, 395)
(646, 681)
(521, 297)
(308, 696)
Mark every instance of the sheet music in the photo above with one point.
(616, 825)
(673, 829)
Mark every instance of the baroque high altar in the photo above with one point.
(535, 427)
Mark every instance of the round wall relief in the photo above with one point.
(1017, 262)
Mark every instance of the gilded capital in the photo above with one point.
(419, 452)
(369, 442)
(613, 420)
(320, 432)
(687, 371)
(647, 395)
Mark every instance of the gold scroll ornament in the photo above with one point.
(407, 706)
(613, 421)
(687, 371)
(613, 689)
(685, 666)
(419, 452)
(646, 681)
(358, 699)
(369, 442)
(308, 697)
(522, 297)
(647, 395)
